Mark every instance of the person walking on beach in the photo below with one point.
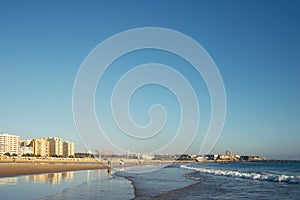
(109, 172)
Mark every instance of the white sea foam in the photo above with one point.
(248, 175)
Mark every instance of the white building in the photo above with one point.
(25, 143)
(147, 156)
(26, 147)
(26, 150)
(200, 158)
(9, 144)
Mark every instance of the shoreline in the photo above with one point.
(21, 168)
(40, 166)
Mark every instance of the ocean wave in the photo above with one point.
(247, 175)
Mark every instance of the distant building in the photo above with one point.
(25, 143)
(9, 144)
(224, 157)
(68, 149)
(200, 158)
(26, 150)
(26, 147)
(40, 146)
(250, 158)
(216, 156)
(147, 156)
(209, 157)
(55, 146)
(228, 153)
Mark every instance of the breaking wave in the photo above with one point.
(248, 175)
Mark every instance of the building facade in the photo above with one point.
(51, 146)
(25, 151)
(68, 149)
(56, 146)
(40, 146)
(9, 144)
(25, 143)
(26, 147)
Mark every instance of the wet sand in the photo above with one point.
(17, 169)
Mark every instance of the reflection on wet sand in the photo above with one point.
(8, 181)
(45, 185)
(54, 178)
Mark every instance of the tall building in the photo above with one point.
(9, 144)
(68, 149)
(56, 146)
(40, 146)
(228, 153)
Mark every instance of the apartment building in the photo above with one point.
(9, 143)
(40, 146)
(68, 149)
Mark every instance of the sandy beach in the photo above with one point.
(17, 169)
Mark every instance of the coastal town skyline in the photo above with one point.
(255, 47)
(140, 99)
(13, 145)
(15, 149)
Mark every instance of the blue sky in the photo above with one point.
(255, 44)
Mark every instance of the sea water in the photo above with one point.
(246, 180)
(234, 180)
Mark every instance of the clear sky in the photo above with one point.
(255, 44)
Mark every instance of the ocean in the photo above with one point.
(233, 180)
